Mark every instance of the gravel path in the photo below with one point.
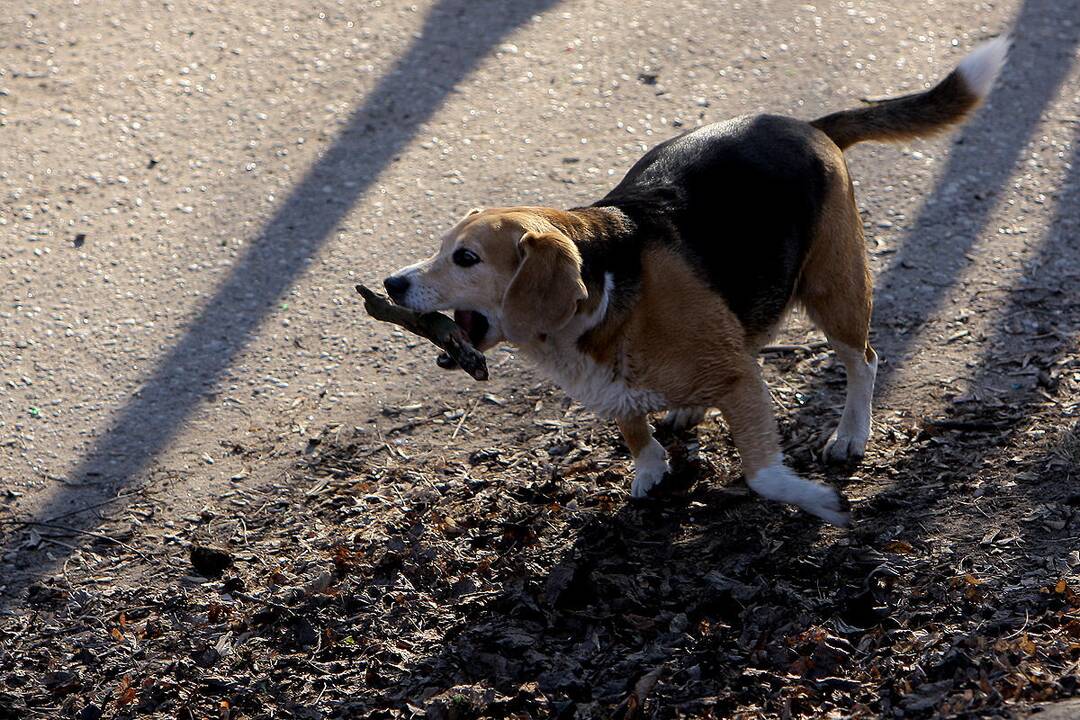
(189, 192)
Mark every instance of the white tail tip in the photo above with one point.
(982, 65)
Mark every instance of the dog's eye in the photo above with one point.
(465, 257)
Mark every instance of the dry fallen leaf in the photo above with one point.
(125, 693)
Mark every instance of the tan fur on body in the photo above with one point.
(670, 340)
(532, 275)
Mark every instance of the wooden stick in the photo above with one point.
(969, 425)
(435, 327)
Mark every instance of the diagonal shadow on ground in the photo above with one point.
(456, 35)
(932, 255)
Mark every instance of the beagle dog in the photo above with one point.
(660, 295)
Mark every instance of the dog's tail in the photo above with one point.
(925, 113)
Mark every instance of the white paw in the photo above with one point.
(843, 446)
(777, 482)
(649, 469)
(683, 418)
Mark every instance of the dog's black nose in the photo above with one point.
(397, 286)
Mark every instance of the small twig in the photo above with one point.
(1023, 627)
(970, 425)
(389, 448)
(261, 601)
(88, 533)
(414, 423)
(54, 541)
(461, 422)
(76, 511)
(803, 347)
(54, 518)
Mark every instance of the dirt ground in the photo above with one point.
(224, 494)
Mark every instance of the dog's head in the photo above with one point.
(508, 274)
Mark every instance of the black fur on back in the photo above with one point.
(741, 198)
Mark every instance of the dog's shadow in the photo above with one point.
(702, 563)
(733, 599)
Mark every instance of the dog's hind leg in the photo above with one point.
(835, 288)
(848, 441)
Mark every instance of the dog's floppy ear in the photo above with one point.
(546, 289)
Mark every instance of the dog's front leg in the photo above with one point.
(747, 409)
(650, 458)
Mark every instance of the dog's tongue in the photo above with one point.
(464, 318)
(473, 323)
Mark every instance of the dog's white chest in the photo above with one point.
(598, 387)
(595, 386)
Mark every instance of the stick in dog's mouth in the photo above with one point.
(454, 338)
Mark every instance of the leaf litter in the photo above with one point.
(396, 574)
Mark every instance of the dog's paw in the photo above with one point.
(682, 418)
(777, 482)
(650, 467)
(825, 502)
(845, 447)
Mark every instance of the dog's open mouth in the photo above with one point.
(474, 324)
